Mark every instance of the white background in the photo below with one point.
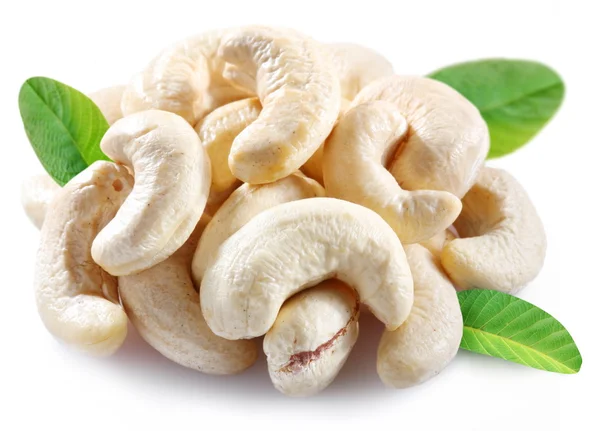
(95, 44)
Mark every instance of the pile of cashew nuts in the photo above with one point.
(266, 184)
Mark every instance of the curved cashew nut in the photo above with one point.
(109, 101)
(164, 307)
(447, 140)
(73, 294)
(172, 180)
(429, 339)
(502, 243)
(243, 204)
(36, 194)
(300, 95)
(353, 170)
(185, 78)
(217, 131)
(292, 246)
(357, 66)
(311, 338)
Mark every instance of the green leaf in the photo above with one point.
(63, 125)
(501, 325)
(515, 97)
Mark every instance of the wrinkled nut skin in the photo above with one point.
(217, 131)
(313, 168)
(185, 78)
(36, 194)
(164, 308)
(357, 66)
(429, 339)
(502, 242)
(447, 140)
(76, 299)
(243, 204)
(295, 245)
(172, 181)
(312, 337)
(353, 170)
(109, 101)
(300, 94)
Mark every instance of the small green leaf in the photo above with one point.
(515, 97)
(63, 125)
(501, 325)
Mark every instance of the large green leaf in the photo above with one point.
(515, 97)
(63, 125)
(501, 325)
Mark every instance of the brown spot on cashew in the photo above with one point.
(323, 324)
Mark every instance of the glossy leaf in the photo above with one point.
(515, 97)
(501, 325)
(63, 125)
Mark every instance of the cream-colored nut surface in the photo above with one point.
(300, 94)
(353, 169)
(447, 139)
(243, 204)
(436, 243)
(36, 194)
(217, 131)
(313, 168)
(164, 308)
(312, 337)
(357, 66)
(502, 242)
(429, 339)
(186, 78)
(172, 181)
(76, 299)
(295, 245)
(109, 101)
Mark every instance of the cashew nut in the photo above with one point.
(295, 245)
(436, 243)
(502, 243)
(36, 194)
(313, 168)
(300, 94)
(76, 299)
(217, 131)
(357, 66)
(185, 78)
(243, 204)
(172, 180)
(164, 307)
(429, 339)
(109, 101)
(311, 338)
(353, 170)
(447, 139)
